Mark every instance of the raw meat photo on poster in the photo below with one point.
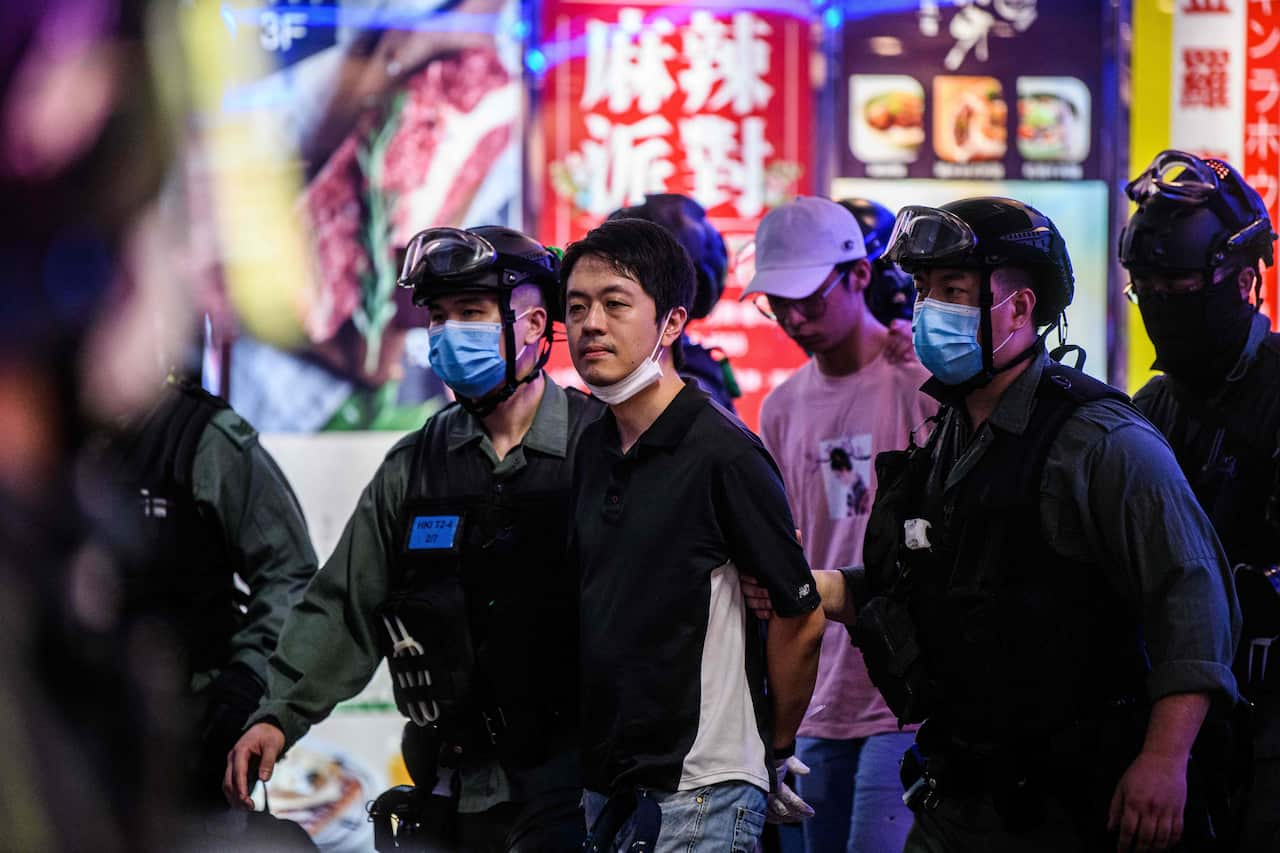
(846, 472)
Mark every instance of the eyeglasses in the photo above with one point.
(811, 307)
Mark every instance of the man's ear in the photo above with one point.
(537, 319)
(860, 275)
(1024, 307)
(675, 325)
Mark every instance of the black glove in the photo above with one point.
(233, 697)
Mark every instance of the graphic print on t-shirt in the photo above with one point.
(846, 471)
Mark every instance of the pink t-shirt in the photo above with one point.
(824, 432)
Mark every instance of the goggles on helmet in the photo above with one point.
(1184, 179)
(455, 254)
(1178, 177)
(446, 253)
(929, 235)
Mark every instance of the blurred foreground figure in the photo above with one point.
(82, 154)
(95, 715)
(1194, 251)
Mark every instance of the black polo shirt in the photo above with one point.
(673, 667)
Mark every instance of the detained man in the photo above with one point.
(673, 497)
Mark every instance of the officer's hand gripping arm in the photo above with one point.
(833, 587)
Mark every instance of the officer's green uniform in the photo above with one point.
(242, 490)
(218, 550)
(330, 645)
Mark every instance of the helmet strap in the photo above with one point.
(984, 303)
(493, 399)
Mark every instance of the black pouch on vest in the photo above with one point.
(424, 629)
(886, 635)
(428, 648)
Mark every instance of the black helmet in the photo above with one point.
(891, 295)
(1192, 215)
(985, 233)
(687, 222)
(876, 222)
(489, 258)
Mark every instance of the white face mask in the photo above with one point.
(645, 374)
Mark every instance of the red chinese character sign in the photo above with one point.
(1261, 167)
(1226, 93)
(712, 103)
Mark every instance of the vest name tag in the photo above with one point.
(433, 532)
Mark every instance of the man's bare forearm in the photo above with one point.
(792, 651)
(836, 603)
(1175, 722)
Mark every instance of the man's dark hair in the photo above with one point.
(643, 252)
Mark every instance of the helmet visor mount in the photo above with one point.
(929, 236)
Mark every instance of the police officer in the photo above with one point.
(1040, 586)
(1194, 251)
(452, 567)
(687, 222)
(891, 295)
(214, 549)
(224, 555)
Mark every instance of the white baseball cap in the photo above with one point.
(799, 242)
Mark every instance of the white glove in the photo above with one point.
(785, 805)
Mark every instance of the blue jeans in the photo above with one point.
(856, 795)
(724, 818)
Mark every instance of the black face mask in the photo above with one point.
(1198, 336)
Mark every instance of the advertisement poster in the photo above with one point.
(711, 101)
(972, 90)
(1206, 79)
(403, 114)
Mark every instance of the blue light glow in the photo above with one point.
(833, 17)
(536, 61)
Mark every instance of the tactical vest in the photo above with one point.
(183, 571)
(481, 628)
(1228, 453)
(1012, 643)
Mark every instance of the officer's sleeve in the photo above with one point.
(236, 482)
(751, 508)
(1141, 518)
(328, 650)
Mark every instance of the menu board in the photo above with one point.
(976, 90)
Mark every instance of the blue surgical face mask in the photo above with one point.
(945, 336)
(468, 356)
